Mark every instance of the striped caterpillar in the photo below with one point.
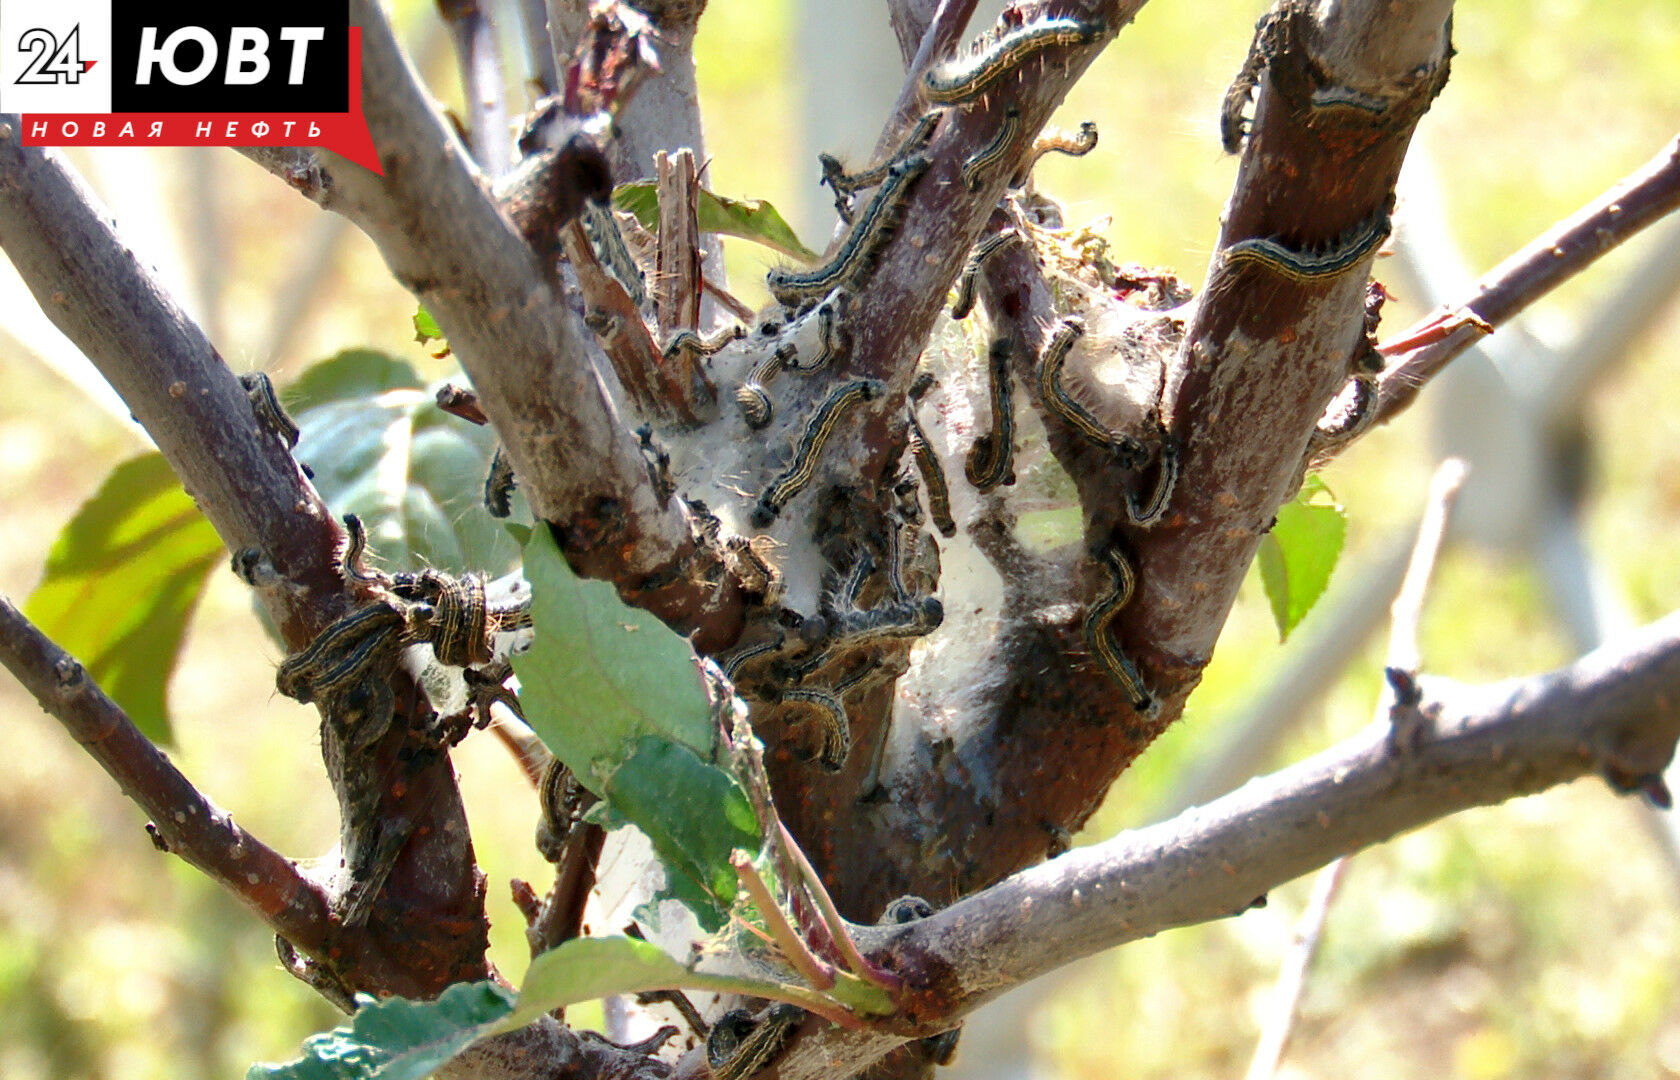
(927, 464)
(977, 259)
(989, 460)
(1059, 142)
(1312, 267)
(851, 265)
(1126, 449)
(993, 152)
(1123, 581)
(960, 80)
(845, 185)
(811, 441)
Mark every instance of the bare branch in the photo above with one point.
(1407, 609)
(242, 476)
(1641, 199)
(183, 820)
(98, 293)
(1610, 712)
(479, 57)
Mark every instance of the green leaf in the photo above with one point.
(398, 1039)
(352, 375)
(121, 581)
(749, 219)
(602, 674)
(1300, 551)
(584, 969)
(425, 327)
(696, 815)
(382, 449)
(618, 697)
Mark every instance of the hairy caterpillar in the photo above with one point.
(265, 404)
(811, 441)
(844, 184)
(1312, 267)
(856, 257)
(1059, 142)
(992, 153)
(1129, 451)
(960, 80)
(989, 459)
(1097, 620)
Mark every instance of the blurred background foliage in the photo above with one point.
(1538, 939)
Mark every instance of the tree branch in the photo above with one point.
(1610, 712)
(1644, 197)
(183, 820)
(479, 57)
(177, 386)
(447, 241)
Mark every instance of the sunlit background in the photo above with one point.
(1539, 939)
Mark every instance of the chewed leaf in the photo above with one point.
(617, 696)
(695, 814)
(749, 219)
(602, 674)
(121, 582)
(398, 1039)
(1299, 553)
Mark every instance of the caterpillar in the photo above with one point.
(933, 478)
(1098, 619)
(856, 257)
(741, 657)
(658, 462)
(831, 715)
(977, 258)
(265, 404)
(817, 431)
(499, 485)
(1144, 513)
(740, 1044)
(607, 240)
(692, 342)
(960, 80)
(990, 458)
(1312, 267)
(301, 674)
(993, 152)
(1059, 142)
(1127, 450)
(844, 184)
(752, 396)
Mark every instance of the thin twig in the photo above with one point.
(855, 961)
(1407, 609)
(183, 820)
(1292, 980)
(1403, 655)
(482, 85)
(814, 970)
(1644, 197)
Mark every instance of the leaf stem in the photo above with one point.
(855, 960)
(814, 970)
